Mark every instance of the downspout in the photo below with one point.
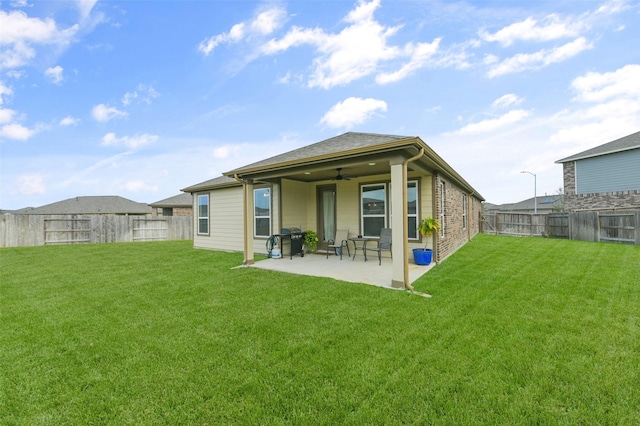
(405, 230)
(244, 219)
(434, 208)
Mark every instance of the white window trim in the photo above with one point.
(200, 196)
(443, 215)
(464, 211)
(417, 213)
(255, 218)
(386, 209)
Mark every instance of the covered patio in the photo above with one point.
(357, 271)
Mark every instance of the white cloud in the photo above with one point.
(264, 23)
(105, 113)
(20, 32)
(4, 91)
(30, 184)
(352, 111)
(507, 101)
(69, 121)
(138, 186)
(6, 115)
(131, 142)
(16, 131)
(144, 93)
(594, 87)
(85, 7)
(420, 54)
(19, 3)
(54, 74)
(542, 58)
(493, 124)
(551, 28)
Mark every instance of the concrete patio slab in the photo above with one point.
(357, 271)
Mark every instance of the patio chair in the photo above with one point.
(384, 243)
(341, 240)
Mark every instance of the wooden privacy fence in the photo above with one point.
(606, 226)
(37, 230)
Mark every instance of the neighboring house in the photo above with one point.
(310, 187)
(93, 205)
(605, 177)
(178, 205)
(545, 204)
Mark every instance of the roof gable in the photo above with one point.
(626, 143)
(180, 200)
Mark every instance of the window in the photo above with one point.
(203, 214)
(373, 199)
(412, 209)
(262, 212)
(442, 209)
(464, 211)
(374, 209)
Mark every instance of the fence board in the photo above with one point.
(609, 226)
(37, 230)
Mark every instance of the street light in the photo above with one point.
(535, 192)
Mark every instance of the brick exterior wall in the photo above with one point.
(596, 201)
(455, 234)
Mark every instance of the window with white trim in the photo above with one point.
(442, 209)
(464, 211)
(412, 209)
(203, 214)
(376, 216)
(262, 212)
(373, 201)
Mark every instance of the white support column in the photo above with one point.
(248, 223)
(398, 222)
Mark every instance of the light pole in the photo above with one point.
(535, 191)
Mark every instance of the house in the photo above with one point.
(93, 205)
(605, 177)
(362, 182)
(544, 204)
(178, 205)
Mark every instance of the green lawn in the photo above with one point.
(518, 331)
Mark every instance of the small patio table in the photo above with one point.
(357, 240)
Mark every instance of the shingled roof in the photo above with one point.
(626, 143)
(339, 144)
(110, 204)
(180, 200)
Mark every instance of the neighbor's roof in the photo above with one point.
(110, 204)
(626, 143)
(337, 145)
(219, 182)
(542, 201)
(180, 200)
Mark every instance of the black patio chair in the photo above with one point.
(384, 243)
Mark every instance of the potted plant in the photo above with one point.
(427, 227)
(311, 240)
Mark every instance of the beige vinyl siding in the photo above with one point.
(294, 203)
(226, 225)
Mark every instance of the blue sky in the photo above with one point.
(143, 98)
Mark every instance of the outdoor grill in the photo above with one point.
(294, 237)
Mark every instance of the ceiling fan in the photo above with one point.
(341, 176)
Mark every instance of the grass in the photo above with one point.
(519, 331)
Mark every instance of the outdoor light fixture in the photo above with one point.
(535, 191)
